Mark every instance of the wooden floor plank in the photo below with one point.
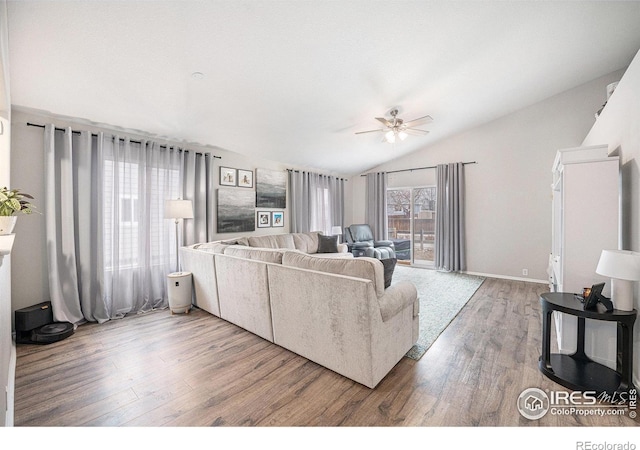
(159, 369)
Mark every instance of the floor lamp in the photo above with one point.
(178, 209)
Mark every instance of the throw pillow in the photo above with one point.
(327, 244)
(389, 264)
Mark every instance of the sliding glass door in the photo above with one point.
(411, 216)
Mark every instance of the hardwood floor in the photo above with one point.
(159, 369)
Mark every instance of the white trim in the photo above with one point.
(8, 418)
(505, 277)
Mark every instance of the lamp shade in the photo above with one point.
(178, 209)
(336, 230)
(620, 264)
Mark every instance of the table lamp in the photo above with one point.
(336, 230)
(178, 209)
(623, 266)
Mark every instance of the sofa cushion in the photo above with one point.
(211, 247)
(306, 242)
(272, 241)
(361, 232)
(367, 268)
(389, 265)
(258, 254)
(238, 241)
(327, 244)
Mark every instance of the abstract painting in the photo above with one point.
(271, 188)
(236, 210)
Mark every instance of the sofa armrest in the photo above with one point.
(363, 244)
(383, 243)
(396, 298)
(343, 248)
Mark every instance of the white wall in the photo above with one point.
(508, 191)
(619, 127)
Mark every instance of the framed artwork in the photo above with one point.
(245, 178)
(277, 219)
(236, 210)
(227, 176)
(264, 219)
(271, 189)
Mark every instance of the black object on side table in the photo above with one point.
(577, 371)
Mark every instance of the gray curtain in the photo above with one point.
(197, 182)
(317, 202)
(376, 204)
(109, 245)
(450, 228)
(65, 240)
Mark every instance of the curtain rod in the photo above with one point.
(339, 178)
(122, 139)
(418, 168)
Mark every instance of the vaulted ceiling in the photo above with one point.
(293, 81)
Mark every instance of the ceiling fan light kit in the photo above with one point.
(398, 128)
(390, 136)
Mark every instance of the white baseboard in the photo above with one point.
(505, 277)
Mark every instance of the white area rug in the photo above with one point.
(442, 295)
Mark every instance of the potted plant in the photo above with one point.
(12, 202)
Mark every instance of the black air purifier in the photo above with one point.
(35, 325)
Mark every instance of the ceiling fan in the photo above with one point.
(398, 128)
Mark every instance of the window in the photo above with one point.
(128, 207)
(322, 214)
(137, 224)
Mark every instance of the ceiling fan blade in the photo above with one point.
(420, 119)
(416, 131)
(370, 131)
(384, 121)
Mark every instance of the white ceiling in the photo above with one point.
(292, 81)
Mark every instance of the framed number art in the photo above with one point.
(228, 176)
(245, 178)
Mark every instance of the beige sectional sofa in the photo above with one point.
(330, 307)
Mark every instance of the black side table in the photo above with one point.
(577, 371)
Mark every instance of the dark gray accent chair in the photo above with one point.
(360, 241)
